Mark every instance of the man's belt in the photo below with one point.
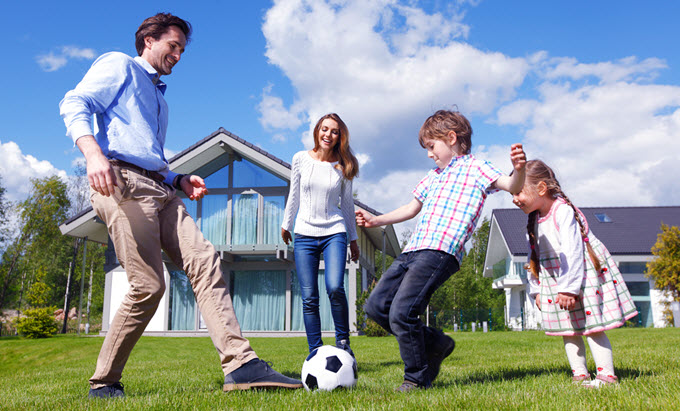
(154, 175)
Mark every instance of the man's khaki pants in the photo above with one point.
(144, 216)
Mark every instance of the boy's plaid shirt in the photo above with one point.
(452, 202)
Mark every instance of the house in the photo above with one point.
(628, 233)
(242, 217)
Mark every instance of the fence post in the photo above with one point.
(490, 321)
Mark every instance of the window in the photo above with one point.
(218, 179)
(214, 218)
(632, 267)
(272, 216)
(297, 323)
(638, 289)
(243, 209)
(499, 270)
(244, 219)
(247, 174)
(191, 207)
(260, 299)
(182, 311)
(603, 218)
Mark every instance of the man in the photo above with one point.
(134, 192)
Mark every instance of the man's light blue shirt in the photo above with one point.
(125, 96)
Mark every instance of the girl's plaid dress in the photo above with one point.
(604, 301)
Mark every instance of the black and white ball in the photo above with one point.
(328, 368)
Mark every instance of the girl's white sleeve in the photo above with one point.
(293, 203)
(347, 208)
(572, 264)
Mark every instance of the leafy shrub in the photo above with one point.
(37, 323)
(365, 324)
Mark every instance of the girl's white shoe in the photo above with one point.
(583, 379)
(603, 380)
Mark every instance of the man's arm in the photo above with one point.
(99, 172)
(403, 213)
(513, 183)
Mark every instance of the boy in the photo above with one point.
(451, 197)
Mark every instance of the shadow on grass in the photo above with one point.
(376, 367)
(524, 373)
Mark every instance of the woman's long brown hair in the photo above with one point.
(347, 162)
(537, 171)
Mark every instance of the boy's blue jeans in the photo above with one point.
(401, 296)
(307, 255)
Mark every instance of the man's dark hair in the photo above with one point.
(156, 26)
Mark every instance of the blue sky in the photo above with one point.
(593, 88)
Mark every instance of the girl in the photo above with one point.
(573, 278)
(321, 196)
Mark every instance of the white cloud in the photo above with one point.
(279, 138)
(613, 143)
(363, 159)
(383, 66)
(54, 61)
(625, 69)
(273, 115)
(390, 192)
(609, 132)
(18, 168)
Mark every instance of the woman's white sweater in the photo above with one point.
(321, 197)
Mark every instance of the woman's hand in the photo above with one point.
(354, 250)
(285, 234)
(538, 301)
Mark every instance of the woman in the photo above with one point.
(321, 196)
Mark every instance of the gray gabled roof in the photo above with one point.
(632, 230)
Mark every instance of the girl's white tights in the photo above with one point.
(599, 347)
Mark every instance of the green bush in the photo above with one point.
(365, 324)
(37, 323)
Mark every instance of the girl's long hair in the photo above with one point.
(537, 171)
(347, 162)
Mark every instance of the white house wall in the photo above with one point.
(118, 289)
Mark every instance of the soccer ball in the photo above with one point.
(328, 368)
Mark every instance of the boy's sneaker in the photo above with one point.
(258, 374)
(603, 380)
(114, 390)
(344, 345)
(441, 348)
(407, 386)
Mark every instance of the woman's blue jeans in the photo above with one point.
(307, 256)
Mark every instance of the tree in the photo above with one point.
(3, 216)
(665, 268)
(468, 289)
(38, 243)
(78, 190)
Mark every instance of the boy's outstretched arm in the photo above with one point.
(513, 183)
(403, 213)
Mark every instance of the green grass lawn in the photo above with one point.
(497, 370)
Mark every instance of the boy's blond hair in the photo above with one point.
(440, 124)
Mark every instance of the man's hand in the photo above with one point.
(285, 235)
(99, 171)
(193, 186)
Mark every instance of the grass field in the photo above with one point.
(498, 370)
